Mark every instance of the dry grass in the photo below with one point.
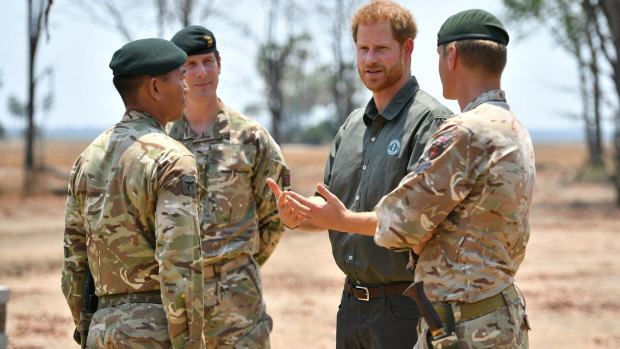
(570, 276)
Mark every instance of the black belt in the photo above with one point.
(112, 300)
(366, 293)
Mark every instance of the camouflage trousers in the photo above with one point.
(235, 313)
(130, 325)
(506, 327)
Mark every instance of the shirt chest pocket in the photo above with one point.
(229, 172)
(387, 173)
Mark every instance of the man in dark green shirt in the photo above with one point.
(374, 149)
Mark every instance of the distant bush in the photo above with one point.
(320, 133)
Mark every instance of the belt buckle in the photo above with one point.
(367, 298)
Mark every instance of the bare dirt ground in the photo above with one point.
(570, 276)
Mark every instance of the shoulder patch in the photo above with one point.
(286, 180)
(422, 167)
(438, 146)
(189, 185)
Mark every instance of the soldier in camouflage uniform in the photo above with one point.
(132, 214)
(465, 208)
(239, 221)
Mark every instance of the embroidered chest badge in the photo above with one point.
(393, 147)
(439, 145)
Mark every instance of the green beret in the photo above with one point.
(472, 24)
(195, 40)
(147, 57)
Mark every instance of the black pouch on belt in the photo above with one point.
(439, 336)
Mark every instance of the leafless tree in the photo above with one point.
(274, 61)
(585, 29)
(344, 81)
(127, 17)
(605, 16)
(38, 11)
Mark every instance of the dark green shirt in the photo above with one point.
(369, 156)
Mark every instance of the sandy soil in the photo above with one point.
(570, 276)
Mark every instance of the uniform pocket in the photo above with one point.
(143, 321)
(496, 329)
(258, 336)
(403, 308)
(139, 322)
(230, 194)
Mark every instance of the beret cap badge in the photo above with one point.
(209, 40)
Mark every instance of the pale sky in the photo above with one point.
(540, 80)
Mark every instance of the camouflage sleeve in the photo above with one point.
(269, 164)
(178, 251)
(75, 258)
(424, 198)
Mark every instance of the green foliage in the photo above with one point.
(318, 134)
(565, 19)
(595, 174)
(524, 9)
(17, 108)
(293, 91)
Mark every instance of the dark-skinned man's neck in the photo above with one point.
(151, 110)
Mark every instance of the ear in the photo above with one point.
(408, 48)
(153, 88)
(452, 56)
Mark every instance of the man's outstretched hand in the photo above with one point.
(288, 215)
(327, 212)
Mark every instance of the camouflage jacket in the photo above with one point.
(132, 215)
(239, 215)
(467, 203)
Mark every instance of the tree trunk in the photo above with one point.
(617, 157)
(611, 10)
(29, 134)
(35, 16)
(343, 82)
(596, 151)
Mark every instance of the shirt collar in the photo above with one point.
(489, 96)
(396, 105)
(134, 115)
(220, 128)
